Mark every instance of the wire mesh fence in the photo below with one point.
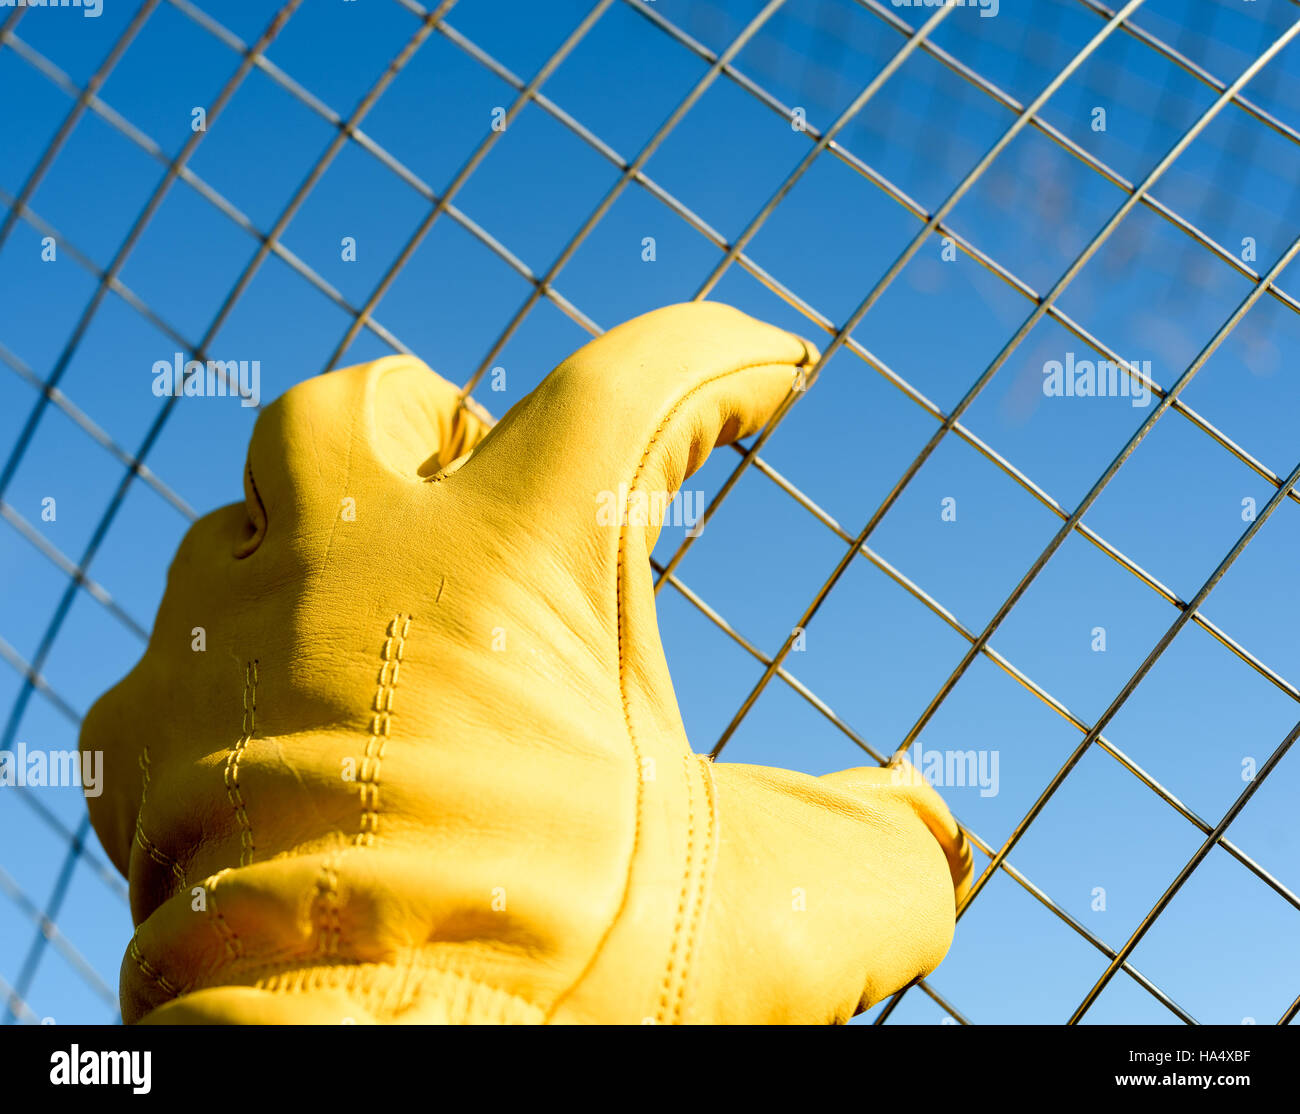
(866, 125)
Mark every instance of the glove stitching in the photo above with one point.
(146, 844)
(636, 754)
(380, 724)
(702, 882)
(329, 929)
(219, 922)
(290, 975)
(148, 969)
(683, 897)
(622, 672)
(296, 974)
(247, 726)
(359, 978)
(227, 934)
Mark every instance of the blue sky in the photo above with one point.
(875, 653)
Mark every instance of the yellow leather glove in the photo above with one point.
(424, 763)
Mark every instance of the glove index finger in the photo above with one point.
(611, 434)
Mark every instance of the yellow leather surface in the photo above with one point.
(429, 766)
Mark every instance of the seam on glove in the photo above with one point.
(706, 863)
(380, 724)
(684, 896)
(636, 758)
(247, 726)
(329, 928)
(622, 672)
(146, 844)
(149, 970)
(329, 933)
(219, 922)
(415, 975)
(410, 974)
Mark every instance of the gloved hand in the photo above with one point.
(424, 762)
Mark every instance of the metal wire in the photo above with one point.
(435, 21)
